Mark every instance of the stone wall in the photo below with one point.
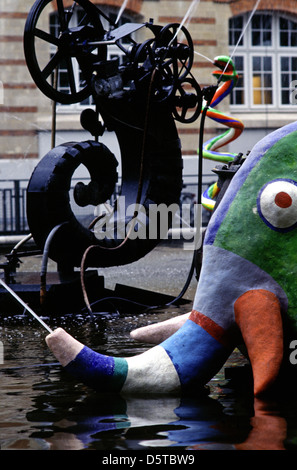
(24, 111)
(21, 101)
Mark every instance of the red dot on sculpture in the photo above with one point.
(283, 200)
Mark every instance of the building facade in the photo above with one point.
(263, 45)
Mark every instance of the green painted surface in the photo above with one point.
(244, 232)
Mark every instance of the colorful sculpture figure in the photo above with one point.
(226, 74)
(246, 292)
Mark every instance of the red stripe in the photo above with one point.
(212, 328)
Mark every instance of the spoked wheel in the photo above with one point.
(175, 44)
(169, 55)
(147, 67)
(166, 60)
(188, 101)
(57, 47)
(144, 59)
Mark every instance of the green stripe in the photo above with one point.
(120, 372)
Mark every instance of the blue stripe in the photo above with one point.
(223, 95)
(100, 372)
(225, 119)
(196, 355)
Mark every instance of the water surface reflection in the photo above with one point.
(41, 407)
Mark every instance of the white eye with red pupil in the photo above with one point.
(277, 204)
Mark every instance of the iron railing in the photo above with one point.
(13, 220)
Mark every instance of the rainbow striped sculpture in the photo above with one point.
(229, 77)
(227, 74)
(247, 291)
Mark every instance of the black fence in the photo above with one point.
(13, 220)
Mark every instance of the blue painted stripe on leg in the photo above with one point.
(196, 355)
(103, 373)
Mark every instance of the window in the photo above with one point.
(261, 30)
(262, 80)
(288, 33)
(62, 79)
(288, 74)
(265, 59)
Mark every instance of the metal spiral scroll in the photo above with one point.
(139, 99)
(228, 75)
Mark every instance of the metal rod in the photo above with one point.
(25, 305)
(187, 15)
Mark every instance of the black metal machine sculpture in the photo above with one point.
(139, 98)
